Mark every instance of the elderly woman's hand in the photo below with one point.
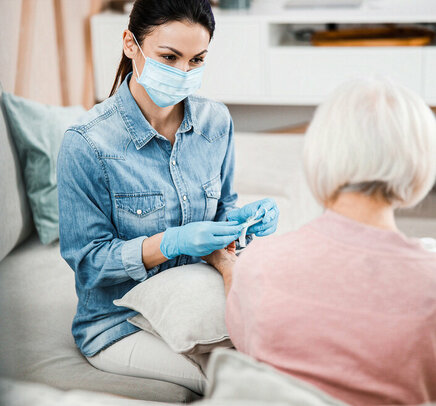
(223, 261)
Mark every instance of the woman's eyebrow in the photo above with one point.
(179, 53)
(171, 49)
(201, 53)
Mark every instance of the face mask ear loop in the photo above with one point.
(134, 63)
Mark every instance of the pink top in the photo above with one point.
(347, 307)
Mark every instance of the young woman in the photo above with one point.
(348, 303)
(145, 183)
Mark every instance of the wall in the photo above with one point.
(9, 30)
(42, 79)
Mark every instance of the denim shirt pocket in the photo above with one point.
(212, 191)
(140, 214)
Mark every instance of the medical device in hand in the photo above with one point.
(258, 217)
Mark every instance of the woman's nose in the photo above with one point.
(184, 66)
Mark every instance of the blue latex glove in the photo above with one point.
(267, 226)
(199, 238)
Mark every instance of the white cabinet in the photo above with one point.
(250, 61)
(306, 75)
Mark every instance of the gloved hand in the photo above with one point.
(199, 238)
(268, 224)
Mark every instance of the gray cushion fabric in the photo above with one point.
(37, 304)
(15, 215)
(237, 377)
(17, 393)
(185, 305)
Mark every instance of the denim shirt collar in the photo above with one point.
(137, 125)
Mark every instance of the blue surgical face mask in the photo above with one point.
(166, 85)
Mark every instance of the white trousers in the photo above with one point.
(143, 355)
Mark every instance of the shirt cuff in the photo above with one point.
(131, 256)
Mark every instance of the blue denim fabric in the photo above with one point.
(120, 182)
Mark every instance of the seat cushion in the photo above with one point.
(18, 393)
(37, 305)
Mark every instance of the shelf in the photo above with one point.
(253, 59)
(285, 34)
(371, 11)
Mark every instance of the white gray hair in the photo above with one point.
(375, 137)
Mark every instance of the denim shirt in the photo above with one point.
(119, 182)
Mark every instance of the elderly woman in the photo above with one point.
(347, 302)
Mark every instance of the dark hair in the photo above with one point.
(148, 14)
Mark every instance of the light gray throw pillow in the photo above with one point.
(237, 379)
(185, 306)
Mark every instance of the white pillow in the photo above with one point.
(185, 306)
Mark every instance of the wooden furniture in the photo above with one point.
(24, 64)
(62, 59)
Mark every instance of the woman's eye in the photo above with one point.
(197, 60)
(171, 58)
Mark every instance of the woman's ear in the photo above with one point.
(129, 46)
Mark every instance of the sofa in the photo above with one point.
(37, 292)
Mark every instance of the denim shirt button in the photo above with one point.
(174, 163)
(184, 197)
(139, 211)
